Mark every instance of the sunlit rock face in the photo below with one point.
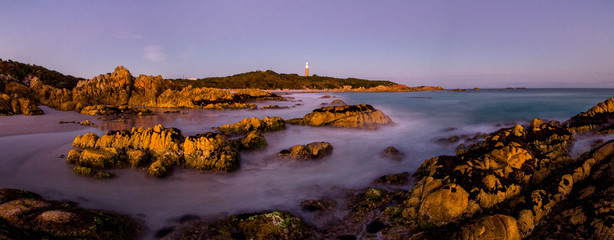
(312, 150)
(16, 98)
(350, 116)
(121, 88)
(25, 215)
(598, 119)
(160, 149)
(254, 124)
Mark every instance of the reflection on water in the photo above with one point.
(32, 147)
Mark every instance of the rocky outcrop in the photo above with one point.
(266, 225)
(25, 215)
(350, 116)
(598, 119)
(507, 163)
(16, 98)
(121, 88)
(254, 124)
(158, 150)
(314, 150)
(588, 212)
(115, 110)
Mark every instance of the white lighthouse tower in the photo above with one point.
(306, 69)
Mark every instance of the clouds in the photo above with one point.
(154, 53)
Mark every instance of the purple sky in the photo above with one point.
(546, 43)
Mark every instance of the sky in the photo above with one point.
(451, 43)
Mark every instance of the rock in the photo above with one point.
(314, 150)
(86, 171)
(595, 120)
(393, 153)
(443, 205)
(210, 151)
(17, 98)
(86, 123)
(394, 179)
(254, 124)
(326, 96)
(318, 205)
(266, 225)
(351, 116)
(25, 215)
(158, 150)
(115, 110)
(491, 227)
(272, 107)
(337, 102)
(253, 140)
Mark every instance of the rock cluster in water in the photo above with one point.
(158, 150)
(314, 150)
(350, 116)
(25, 215)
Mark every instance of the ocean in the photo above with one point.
(32, 150)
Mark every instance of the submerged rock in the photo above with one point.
(25, 215)
(351, 116)
(318, 205)
(86, 123)
(393, 153)
(394, 179)
(312, 150)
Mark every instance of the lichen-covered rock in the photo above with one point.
(115, 110)
(443, 205)
(25, 215)
(210, 151)
(253, 140)
(267, 225)
(87, 171)
(312, 150)
(350, 116)
(157, 149)
(254, 124)
(500, 168)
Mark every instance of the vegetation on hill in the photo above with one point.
(25, 72)
(272, 80)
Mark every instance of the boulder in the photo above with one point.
(491, 227)
(210, 151)
(350, 116)
(254, 124)
(443, 205)
(253, 140)
(25, 215)
(314, 150)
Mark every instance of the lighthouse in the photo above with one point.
(306, 69)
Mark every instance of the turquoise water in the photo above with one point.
(31, 146)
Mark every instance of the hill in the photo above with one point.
(26, 72)
(271, 80)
